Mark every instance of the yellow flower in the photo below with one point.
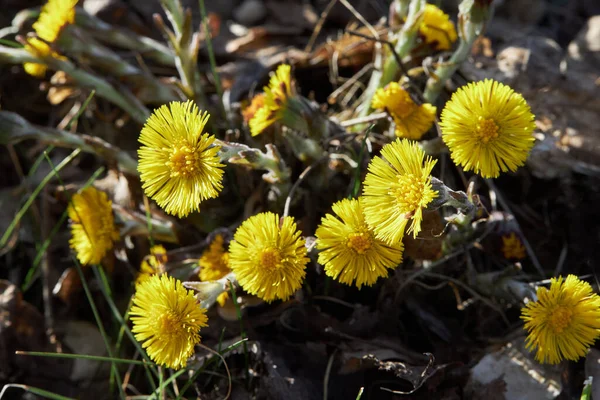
(412, 120)
(350, 251)
(564, 321)
(214, 261)
(276, 99)
(512, 247)
(152, 264)
(488, 128)
(178, 164)
(93, 230)
(437, 28)
(268, 257)
(256, 104)
(166, 319)
(39, 49)
(54, 16)
(396, 189)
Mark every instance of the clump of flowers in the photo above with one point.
(488, 128)
(437, 29)
(397, 188)
(54, 16)
(512, 248)
(93, 230)
(349, 249)
(152, 264)
(275, 100)
(412, 120)
(214, 264)
(166, 320)
(564, 321)
(178, 163)
(268, 256)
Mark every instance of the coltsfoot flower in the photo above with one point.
(54, 16)
(214, 264)
(166, 320)
(214, 261)
(349, 250)
(152, 264)
(397, 188)
(93, 230)
(512, 248)
(178, 164)
(488, 128)
(437, 28)
(268, 256)
(276, 98)
(564, 321)
(412, 120)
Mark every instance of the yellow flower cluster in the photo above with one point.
(152, 264)
(412, 120)
(349, 249)
(178, 163)
(54, 16)
(214, 264)
(93, 230)
(488, 128)
(268, 256)
(274, 101)
(437, 29)
(166, 320)
(564, 321)
(397, 188)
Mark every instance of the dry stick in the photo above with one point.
(349, 82)
(224, 363)
(528, 247)
(288, 200)
(396, 57)
(319, 26)
(364, 120)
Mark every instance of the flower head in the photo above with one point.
(153, 263)
(276, 99)
(166, 319)
(258, 102)
(54, 16)
(512, 247)
(564, 321)
(93, 230)
(268, 256)
(179, 165)
(396, 189)
(39, 49)
(349, 249)
(412, 120)
(488, 128)
(437, 28)
(214, 261)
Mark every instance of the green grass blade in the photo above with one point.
(34, 390)
(98, 272)
(207, 363)
(40, 253)
(37, 191)
(357, 172)
(80, 356)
